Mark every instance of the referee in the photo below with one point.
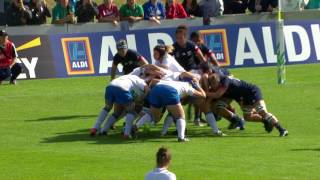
(8, 56)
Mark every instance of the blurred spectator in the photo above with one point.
(2, 14)
(154, 11)
(86, 10)
(235, 6)
(313, 4)
(63, 13)
(292, 5)
(211, 8)
(131, 11)
(175, 10)
(17, 13)
(262, 5)
(108, 12)
(73, 3)
(39, 11)
(192, 8)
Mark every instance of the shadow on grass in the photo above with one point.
(114, 136)
(306, 149)
(62, 118)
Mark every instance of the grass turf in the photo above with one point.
(44, 134)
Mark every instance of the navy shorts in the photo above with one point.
(117, 95)
(163, 95)
(252, 97)
(5, 73)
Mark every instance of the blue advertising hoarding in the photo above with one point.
(235, 45)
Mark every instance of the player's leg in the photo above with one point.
(129, 118)
(118, 110)
(178, 113)
(269, 118)
(197, 115)
(168, 121)
(4, 74)
(206, 108)
(109, 100)
(16, 69)
(221, 108)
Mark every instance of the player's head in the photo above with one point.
(181, 35)
(163, 157)
(122, 47)
(195, 37)
(3, 37)
(160, 50)
(206, 67)
(214, 81)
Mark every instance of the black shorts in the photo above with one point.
(252, 97)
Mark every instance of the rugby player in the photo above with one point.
(120, 95)
(129, 59)
(168, 94)
(248, 96)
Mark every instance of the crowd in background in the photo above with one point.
(33, 12)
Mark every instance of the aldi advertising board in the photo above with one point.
(236, 45)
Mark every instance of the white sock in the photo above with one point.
(102, 116)
(143, 120)
(111, 120)
(212, 122)
(181, 128)
(166, 125)
(129, 122)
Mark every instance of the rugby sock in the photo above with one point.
(166, 125)
(111, 120)
(181, 128)
(129, 122)
(279, 127)
(212, 122)
(197, 117)
(102, 116)
(143, 120)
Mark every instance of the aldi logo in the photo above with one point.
(77, 55)
(216, 40)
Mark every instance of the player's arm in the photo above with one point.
(142, 60)
(199, 55)
(113, 70)
(218, 93)
(14, 56)
(199, 92)
(212, 58)
(204, 82)
(187, 75)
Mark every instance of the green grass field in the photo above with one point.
(44, 134)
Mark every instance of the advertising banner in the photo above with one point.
(235, 45)
(34, 54)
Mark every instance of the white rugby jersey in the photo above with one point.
(131, 83)
(170, 62)
(184, 89)
(160, 174)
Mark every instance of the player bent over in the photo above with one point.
(249, 97)
(120, 95)
(208, 69)
(167, 94)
